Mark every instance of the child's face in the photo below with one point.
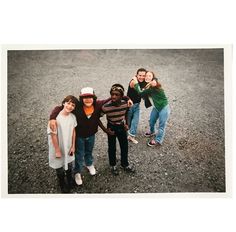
(115, 96)
(149, 77)
(88, 101)
(141, 76)
(69, 106)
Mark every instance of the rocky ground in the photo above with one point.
(192, 158)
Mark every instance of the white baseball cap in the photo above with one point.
(87, 91)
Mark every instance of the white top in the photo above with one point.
(65, 126)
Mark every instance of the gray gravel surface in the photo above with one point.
(192, 158)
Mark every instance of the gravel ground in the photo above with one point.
(192, 158)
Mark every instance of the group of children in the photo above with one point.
(73, 125)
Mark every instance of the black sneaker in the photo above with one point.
(130, 168)
(153, 143)
(114, 170)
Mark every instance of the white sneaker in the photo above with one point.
(78, 179)
(92, 170)
(132, 139)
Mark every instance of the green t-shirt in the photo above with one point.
(157, 95)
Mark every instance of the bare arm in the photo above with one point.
(106, 130)
(56, 145)
(126, 121)
(72, 149)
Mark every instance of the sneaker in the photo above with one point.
(114, 170)
(153, 143)
(130, 168)
(91, 170)
(132, 139)
(78, 179)
(149, 134)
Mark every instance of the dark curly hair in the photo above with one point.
(141, 70)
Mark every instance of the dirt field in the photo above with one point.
(192, 158)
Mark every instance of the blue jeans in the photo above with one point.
(83, 152)
(133, 118)
(163, 116)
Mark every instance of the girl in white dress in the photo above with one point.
(62, 143)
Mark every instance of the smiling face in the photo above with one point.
(68, 107)
(88, 101)
(149, 77)
(141, 76)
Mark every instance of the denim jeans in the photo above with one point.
(83, 152)
(133, 118)
(121, 135)
(163, 116)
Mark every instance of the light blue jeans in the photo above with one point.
(133, 118)
(83, 152)
(163, 116)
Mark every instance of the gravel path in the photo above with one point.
(192, 158)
